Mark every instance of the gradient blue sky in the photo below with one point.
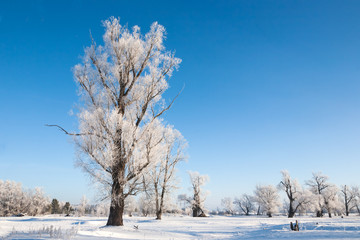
(269, 85)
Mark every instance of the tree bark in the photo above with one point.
(160, 210)
(195, 212)
(116, 213)
(291, 210)
(117, 204)
(319, 213)
(158, 215)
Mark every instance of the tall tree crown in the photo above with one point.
(121, 85)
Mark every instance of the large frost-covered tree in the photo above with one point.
(121, 84)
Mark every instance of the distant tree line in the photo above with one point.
(317, 196)
(17, 201)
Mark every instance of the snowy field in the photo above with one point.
(177, 227)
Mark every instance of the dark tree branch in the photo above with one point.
(74, 134)
(66, 132)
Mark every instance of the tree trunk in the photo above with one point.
(258, 211)
(158, 215)
(160, 209)
(116, 213)
(195, 212)
(358, 209)
(117, 204)
(319, 213)
(291, 210)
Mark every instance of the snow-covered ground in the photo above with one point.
(179, 227)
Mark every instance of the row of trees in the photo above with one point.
(147, 203)
(16, 200)
(318, 196)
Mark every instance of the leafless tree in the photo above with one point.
(121, 84)
(296, 195)
(318, 184)
(245, 204)
(198, 199)
(331, 200)
(267, 198)
(227, 204)
(357, 198)
(162, 175)
(349, 197)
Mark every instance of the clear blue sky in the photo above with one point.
(269, 85)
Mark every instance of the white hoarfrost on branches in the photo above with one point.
(227, 205)
(268, 199)
(15, 200)
(298, 197)
(349, 195)
(245, 204)
(121, 85)
(160, 179)
(318, 184)
(198, 199)
(331, 199)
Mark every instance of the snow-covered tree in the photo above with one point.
(318, 184)
(146, 204)
(38, 202)
(348, 197)
(331, 199)
(121, 85)
(245, 204)
(130, 205)
(297, 197)
(12, 198)
(356, 191)
(198, 199)
(162, 175)
(183, 201)
(84, 205)
(227, 205)
(102, 209)
(268, 198)
(15, 200)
